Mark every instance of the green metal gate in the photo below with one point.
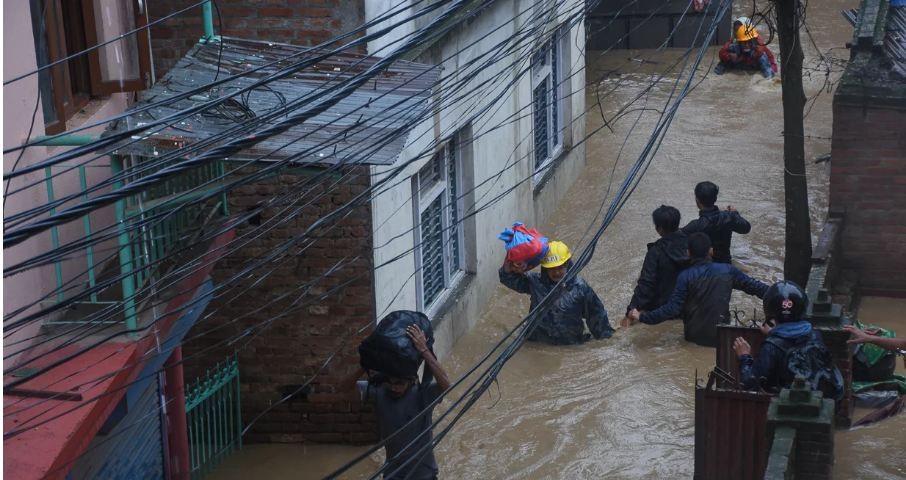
(213, 417)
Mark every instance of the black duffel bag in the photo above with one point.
(389, 351)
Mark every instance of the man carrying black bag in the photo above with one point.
(398, 396)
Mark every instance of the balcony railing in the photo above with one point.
(150, 227)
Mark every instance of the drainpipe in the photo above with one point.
(63, 140)
(207, 17)
(177, 431)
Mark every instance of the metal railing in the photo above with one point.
(55, 234)
(213, 417)
(165, 212)
(151, 226)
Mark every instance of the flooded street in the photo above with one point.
(876, 451)
(623, 407)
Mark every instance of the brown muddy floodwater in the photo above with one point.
(623, 407)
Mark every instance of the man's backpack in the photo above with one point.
(810, 359)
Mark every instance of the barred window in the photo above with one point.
(547, 99)
(438, 233)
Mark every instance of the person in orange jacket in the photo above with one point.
(748, 51)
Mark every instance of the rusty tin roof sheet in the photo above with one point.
(370, 126)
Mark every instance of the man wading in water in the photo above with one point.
(562, 324)
(666, 258)
(702, 295)
(718, 224)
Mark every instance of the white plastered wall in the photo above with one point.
(501, 138)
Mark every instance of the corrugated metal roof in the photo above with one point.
(895, 40)
(355, 129)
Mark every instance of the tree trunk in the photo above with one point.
(797, 261)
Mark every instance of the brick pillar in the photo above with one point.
(842, 353)
(812, 416)
(782, 459)
(829, 318)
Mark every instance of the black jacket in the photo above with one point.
(562, 324)
(770, 371)
(719, 225)
(665, 259)
(702, 298)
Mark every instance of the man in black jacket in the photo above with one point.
(718, 224)
(791, 348)
(665, 259)
(702, 295)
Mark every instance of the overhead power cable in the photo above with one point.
(626, 189)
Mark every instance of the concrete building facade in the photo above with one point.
(502, 153)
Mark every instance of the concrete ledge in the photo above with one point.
(781, 460)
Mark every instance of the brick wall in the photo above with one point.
(288, 352)
(811, 417)
(842, 353)
(301, 22)
(868, 181)
(814, 457)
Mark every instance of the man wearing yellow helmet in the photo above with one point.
(746, 51)
(574, 300)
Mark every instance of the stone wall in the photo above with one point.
(282, 345)
(842, 353)
(301, 22)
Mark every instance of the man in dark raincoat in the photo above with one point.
(718, 224)
(785, 304)
(574, 301)
(665, 259)
(702, 295)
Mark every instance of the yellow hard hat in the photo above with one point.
(746, 32)
(557, 254)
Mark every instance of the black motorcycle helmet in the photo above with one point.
(785, 301)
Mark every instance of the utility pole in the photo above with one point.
(797, 261)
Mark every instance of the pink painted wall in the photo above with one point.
(19, 103)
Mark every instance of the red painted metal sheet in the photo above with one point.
(730, 434)
(726, 357)
(40, 452)
(178, 465)
(112, 366)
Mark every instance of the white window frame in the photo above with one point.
(550, 71)
(423, 197)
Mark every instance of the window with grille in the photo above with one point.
(438, 233)
(547, 100)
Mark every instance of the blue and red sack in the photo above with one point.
(524, 245)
